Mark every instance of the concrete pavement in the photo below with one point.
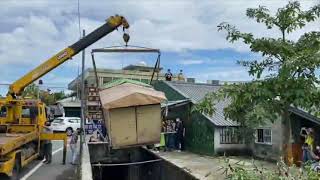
(54, 171)
(209, 167)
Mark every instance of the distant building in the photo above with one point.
(214, 82)
(135, 72)
(219, 82)
(191, 80)
(269, 142)
(69, 107)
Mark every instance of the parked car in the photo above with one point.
(66, 124)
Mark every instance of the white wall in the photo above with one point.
(220, 148)
(269, 151)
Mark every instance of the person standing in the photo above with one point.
(73, 146)
(317, 152)
(307, 147)
(168, 75)
(47, 145)
(181, 76)
(179, 134)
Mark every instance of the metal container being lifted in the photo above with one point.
(132, 113)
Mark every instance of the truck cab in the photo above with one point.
(21, 123)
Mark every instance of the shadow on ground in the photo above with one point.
(68, 174)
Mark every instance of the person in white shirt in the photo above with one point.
(47, 144)
(73, 146)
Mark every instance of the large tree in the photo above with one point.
(33, 91)
(286, 75)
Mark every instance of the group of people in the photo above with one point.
(169, 76)
(310, 153)
(47, 145)
(172, 136)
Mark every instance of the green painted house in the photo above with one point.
(204, 134)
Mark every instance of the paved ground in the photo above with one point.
(207, 167)
(54, 171)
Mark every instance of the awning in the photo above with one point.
(305, 114)
(177, 103)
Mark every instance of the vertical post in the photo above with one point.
(65, 149)
(82, 103)
(38, 94)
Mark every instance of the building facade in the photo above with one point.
(134, 72)
(269, 142)
(204, 134)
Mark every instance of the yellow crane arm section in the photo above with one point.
(111, 24)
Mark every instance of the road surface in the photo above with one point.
(36, 170)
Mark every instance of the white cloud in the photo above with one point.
(191, 62)
(222, 74)
(32, 31)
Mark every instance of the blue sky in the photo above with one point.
(185, 31)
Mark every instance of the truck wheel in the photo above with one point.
(16, 169)
(69, 131)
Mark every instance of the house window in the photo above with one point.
(229, 135)
(25, 112)
(264, 136)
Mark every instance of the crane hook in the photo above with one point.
(126, 38)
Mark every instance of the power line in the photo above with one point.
(79, 23)
(80, 35)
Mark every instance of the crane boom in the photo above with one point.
(111, 24)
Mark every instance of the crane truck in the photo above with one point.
(22, 120)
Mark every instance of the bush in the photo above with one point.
(282, 172)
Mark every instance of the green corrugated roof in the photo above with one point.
(122, 81)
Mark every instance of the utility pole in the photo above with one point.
(82, 137)
(39, 85)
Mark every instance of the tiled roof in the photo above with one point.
(69, 102)
(74, 102)
(196, 92)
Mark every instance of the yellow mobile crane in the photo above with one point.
(22, 120)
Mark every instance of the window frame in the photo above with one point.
(25, 109)
(74, 121)
(226, 138)
(61, 120)
(3, 114)
(263, 134)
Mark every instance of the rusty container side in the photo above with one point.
(148, 124)
(134, 126)
(123, 126)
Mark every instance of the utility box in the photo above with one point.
(132, 113)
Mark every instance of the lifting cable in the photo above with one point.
(132, 49)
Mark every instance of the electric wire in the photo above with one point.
(79, 21)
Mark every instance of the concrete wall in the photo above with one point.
(86, 171)
(270, 151)
(231, 149)
(157, 170)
